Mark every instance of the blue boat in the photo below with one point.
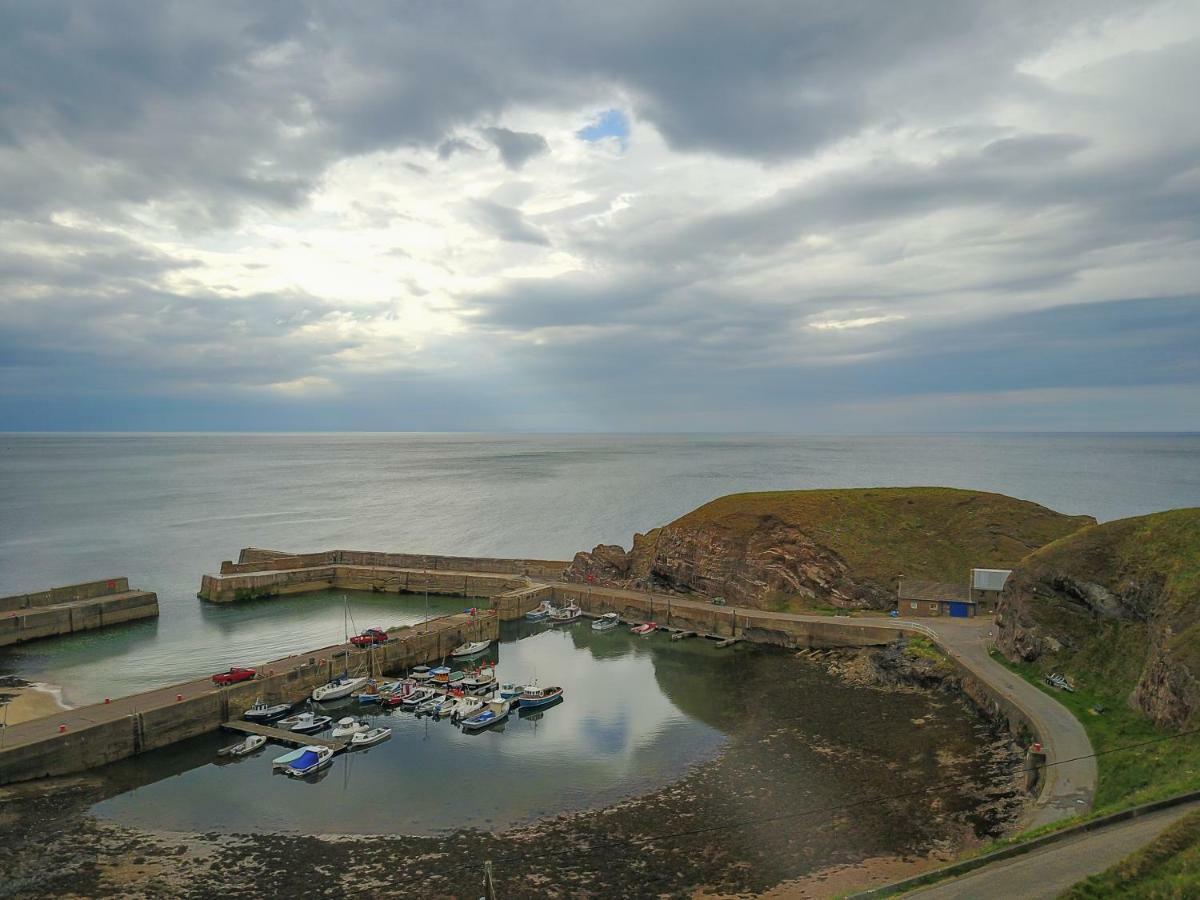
(310, 760)
(535, 697)
(495, 712)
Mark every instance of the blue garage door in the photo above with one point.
(959, 609)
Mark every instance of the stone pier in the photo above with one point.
(77, 607)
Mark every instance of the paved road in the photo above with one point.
(1048, 872)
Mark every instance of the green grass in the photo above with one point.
(1168, 867)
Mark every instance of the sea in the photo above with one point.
(163, 509)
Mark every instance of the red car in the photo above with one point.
(234, 675)
(369, 637)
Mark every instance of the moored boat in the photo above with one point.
(305, 723)
(417, 697)
(493, 713)
(266, 712)
(465, 707)
(644, 628)
(310, 760)
(443, 676)
(568, 613)
(484, 677)
(282, 762)
(244, 748)
(470, 648)
(533, 697)
(541, 612)
(606, 622)
(342, 686)
(370, 738)
(348, 726)
(421, 673)
(510, 691)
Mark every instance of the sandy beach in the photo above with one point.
(29, 701)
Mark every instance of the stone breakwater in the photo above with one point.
(76, 607)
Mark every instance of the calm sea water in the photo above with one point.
(164, 509)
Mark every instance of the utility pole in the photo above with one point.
(489, 886)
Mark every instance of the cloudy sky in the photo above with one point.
(661, 215)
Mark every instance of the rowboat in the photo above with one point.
(568, 613)
(370, 738)
(534, 697)
(340, 687)
(310, 760)
(495, 712)
(244, 748)
(470, 648)
(606, 622)
(645, 628)
(263, 712)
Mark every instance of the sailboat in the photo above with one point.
(343, 685)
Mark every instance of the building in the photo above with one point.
(934, 598)
(986, 585)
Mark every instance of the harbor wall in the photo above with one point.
(255, 560)
(228, 588)
(60, 611)
(157, 719)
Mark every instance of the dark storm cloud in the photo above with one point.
(516, 147)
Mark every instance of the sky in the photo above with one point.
(661, 216)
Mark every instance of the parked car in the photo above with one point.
(234, 675)
(369, 637)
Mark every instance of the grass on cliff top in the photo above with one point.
(1167, 867)
(920, 532)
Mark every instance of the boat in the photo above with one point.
(541, 612)
(484, 677)
(465, 707)
(568, 613)
(606, 622)
(510, 691)
(495, 712)
(534, 697)
(305, 723)
(443, 677)
(417, 697)
(342, 686)
(369, 693)
(470, 648)
(348, 726)
(446, 705)
(644, 628)
(370, 738)
(310, 760)
(266, 712)
(429, 707)
(244, 748)
(282, 762)
(421, 673)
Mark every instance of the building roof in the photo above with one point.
(989, 579)
(912, 589)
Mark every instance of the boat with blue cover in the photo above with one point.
(310, 760)
(493, 713)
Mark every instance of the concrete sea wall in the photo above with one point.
(78, 607)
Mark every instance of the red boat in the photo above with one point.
(643, 629)
(234, 675)
(369, 637)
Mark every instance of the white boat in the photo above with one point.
(282, 762)
(348, 726)
(485, 677)
(421, 673)
(429, 707)
(568, 613)
(465, 707)
(310, 760)
(495, 712)
(543, 609)
(340, 687)
(370, 738)
(446, 706)
(244, 748)
(606, 622)
(510, 691)
(470, 648)
(417, 697)
(305, 723)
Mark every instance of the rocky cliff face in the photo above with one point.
(769, 566)
(1124, 593)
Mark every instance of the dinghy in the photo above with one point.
(244, 748)
(535, 697)
(606, 622)
(370, 738)
(340, 687)
(541, 612)
(310, 760)
(567, 614)
(645, 628)
(264, 712)
(306, 723)
(349, 726)
(470, 648)
(495, 712)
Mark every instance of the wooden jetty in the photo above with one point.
(680, 635)
(728, 642)
(279, 735)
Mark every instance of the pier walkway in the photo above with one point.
(282, 736)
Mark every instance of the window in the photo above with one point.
(933, 607)
(913, 605)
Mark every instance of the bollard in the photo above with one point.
(107, 700)
(62, 729)
(178, 697)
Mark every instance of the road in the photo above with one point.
(1048, 872)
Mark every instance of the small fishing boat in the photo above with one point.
(370, 738)
(342, 686)
(349, 726)
(266, 712)
(244, 748)
(310, 760)
(510, 691)
(541, 612)
(369, 694)
(495, 712)
(484, 677)
(421, 673)
(305, 723)
(645, 628)
(470, 648)
(429, 707)
(417, 697)
(534, 697)
(465, 707)
(568, 613)
(443, 677)
(606, 622)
